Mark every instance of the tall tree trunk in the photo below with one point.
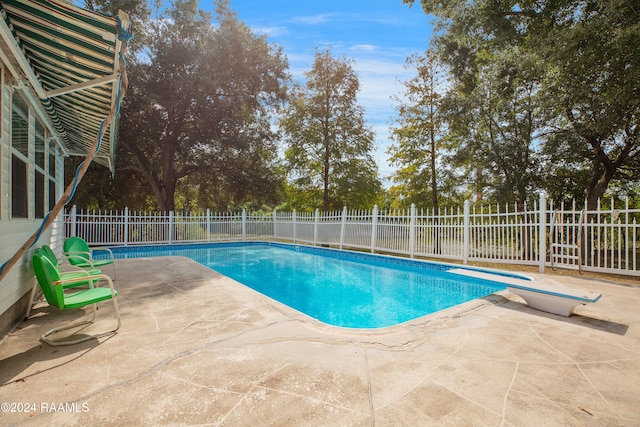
(166, 202)
(325, 190)
(434, 181)
(479, 178)
(600, 178)
(603, 171)
(605, 167)
(432, 132)
(601, 175)
(326, 168)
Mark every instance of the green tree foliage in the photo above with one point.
(201, 107)
(575, 64)
(593, 86)
(418, 134)
(99, 189)
(495, 124)
(328, 142)
(195, 129)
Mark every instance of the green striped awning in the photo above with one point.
(71, 58)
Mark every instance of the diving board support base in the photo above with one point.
(545, 302)
(542, 294)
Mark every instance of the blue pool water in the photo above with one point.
(341, 288)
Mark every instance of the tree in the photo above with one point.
(500, 126)
(593, 86)
(198, 113)
(329, 144)
(588, 65)
(99, 189)
(418, 134)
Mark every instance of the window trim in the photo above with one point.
(41, 179)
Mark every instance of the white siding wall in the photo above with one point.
(14, 232)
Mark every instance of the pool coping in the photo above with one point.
(311, 249)
(356, 256)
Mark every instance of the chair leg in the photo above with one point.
(44, 338)
(117, 309)
(31, 300)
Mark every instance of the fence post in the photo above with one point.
(126, 226)
(343, 226)
(171, 227)
(315, 227)
(293, 225)
(244, 224)
(72, 217)
(412, 230)
(208, 225)
(466, 231)
(542, 243)
(275, 234)
(374, 228)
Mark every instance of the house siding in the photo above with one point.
(15, 287)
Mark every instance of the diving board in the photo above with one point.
(545, 295)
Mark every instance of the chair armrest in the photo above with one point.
(98, 248)
(88, 278)
(70, 268)
(72, 280)
(77, 255)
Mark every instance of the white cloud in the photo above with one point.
(271, 31)
(363, 47)
(312, 19)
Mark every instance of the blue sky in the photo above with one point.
(377, 34)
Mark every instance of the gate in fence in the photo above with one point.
(604, 240)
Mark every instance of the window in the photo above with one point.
(39, 171)
(20, 126)
(52, 160)
(19, 205)
(39, 192)
(19, 158)
(33, 163)
(52, 174)
(40, 138)
(52, 194)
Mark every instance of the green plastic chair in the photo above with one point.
(72, 274)
(52, 286)
(79, 253)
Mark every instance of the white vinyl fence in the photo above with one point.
(605, 240)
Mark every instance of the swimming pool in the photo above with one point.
(341, 288)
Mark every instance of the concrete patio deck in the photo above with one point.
(197, 348)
